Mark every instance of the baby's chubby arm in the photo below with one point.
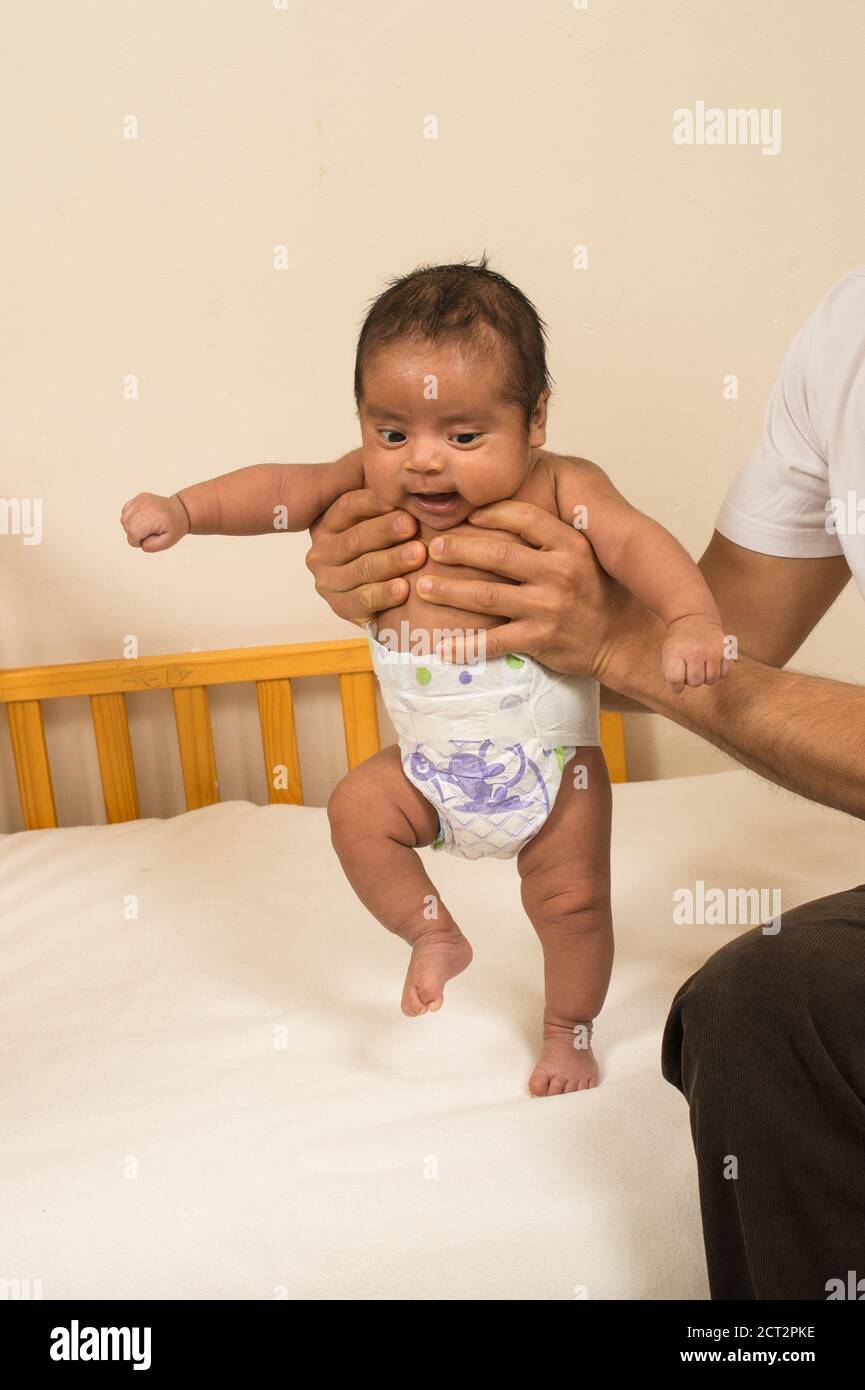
(651, 563)
(248, 502)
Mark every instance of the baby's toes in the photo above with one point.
(539, 1082)
(430, 994)
(411, 1003)
(420, 997)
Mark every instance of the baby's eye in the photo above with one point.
(467, 436)
(400, 440)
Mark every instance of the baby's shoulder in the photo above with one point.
(576, 481)
(570, 468)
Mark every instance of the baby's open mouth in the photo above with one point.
(437, 501)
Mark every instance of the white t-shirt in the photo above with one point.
(802, 490)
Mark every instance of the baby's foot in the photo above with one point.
(566, 1063)
(437, 955)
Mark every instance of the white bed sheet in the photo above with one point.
(221, 1099)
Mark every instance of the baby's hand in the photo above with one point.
(154, 523)
(693, 653)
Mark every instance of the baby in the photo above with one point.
(497, 757)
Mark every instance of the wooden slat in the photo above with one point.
(279, 741)
(31, 765)
(185, 670)
(359, 717)
(613, 744)
(195, 737)
(114, 750)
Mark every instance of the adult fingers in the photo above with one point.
(361, 604)
(370, 567)
(377, 537)
(477, 595)
(537, 527)
(496, 641)
(490, 553)
(356, 556)
(355, 509)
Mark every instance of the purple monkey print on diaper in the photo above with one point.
(481, 781)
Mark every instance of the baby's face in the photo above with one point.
(438, 440)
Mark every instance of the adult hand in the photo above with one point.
(564, 610)
(358, 554)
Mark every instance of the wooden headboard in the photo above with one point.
(187, 675)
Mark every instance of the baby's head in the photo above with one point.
(451, 385)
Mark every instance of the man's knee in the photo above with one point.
(759, 986)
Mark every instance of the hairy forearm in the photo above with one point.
(257, 500)
(803, 732)
(614, 703)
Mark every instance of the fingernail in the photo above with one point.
(401, 524)
(436, 547)
(424, 585)
(409, 552)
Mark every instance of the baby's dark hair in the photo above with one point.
(463, 301)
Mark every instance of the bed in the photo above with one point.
(209, 1090)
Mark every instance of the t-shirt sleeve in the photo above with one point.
(777, 501)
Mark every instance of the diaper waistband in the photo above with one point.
(508, 699)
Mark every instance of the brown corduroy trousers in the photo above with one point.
(767, 1044)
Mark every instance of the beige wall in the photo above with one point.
(304, 126)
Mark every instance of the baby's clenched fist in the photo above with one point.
(693, 653)
(154, 523)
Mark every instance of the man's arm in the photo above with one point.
(803, 732)
(768, 603)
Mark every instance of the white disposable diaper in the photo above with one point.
(485, 744)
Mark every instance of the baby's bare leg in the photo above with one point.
(377, 817)
(565, 872)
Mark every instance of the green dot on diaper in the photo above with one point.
(560, 758)
(515, 661)
(422, 675)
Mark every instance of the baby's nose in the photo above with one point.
(425, 462)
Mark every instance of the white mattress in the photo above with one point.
(161, 1138)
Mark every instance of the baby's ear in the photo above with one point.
(538, 422)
